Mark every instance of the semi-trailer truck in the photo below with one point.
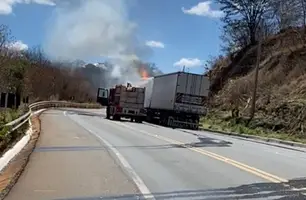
(123, 101)
(176, 99)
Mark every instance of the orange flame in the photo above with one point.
(144, 74)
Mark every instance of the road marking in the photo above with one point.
(252, 170)
(45, 190)
(137, 180)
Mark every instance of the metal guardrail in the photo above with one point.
(17, 123)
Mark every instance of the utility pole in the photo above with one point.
(208, 72)
(253, 105)
(184, 68)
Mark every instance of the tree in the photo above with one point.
(302, 6)
(242, 18)
(286, 13)
(235, 37)
(5, 38)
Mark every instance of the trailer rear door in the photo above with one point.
(192, 93)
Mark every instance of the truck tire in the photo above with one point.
(117, 117)
(138, 120)
(107, 112)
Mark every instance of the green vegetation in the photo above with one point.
(7, 138)
(8, 115)
(226, 123)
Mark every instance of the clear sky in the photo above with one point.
(178, 32)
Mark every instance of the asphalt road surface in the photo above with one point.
(167, 163)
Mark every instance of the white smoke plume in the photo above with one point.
(85, 29)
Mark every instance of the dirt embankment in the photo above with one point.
(281, 96)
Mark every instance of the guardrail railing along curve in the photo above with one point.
(17, 123)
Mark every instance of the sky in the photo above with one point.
(172, 34)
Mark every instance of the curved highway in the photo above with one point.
(158, 163)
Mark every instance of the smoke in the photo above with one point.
(86, 29)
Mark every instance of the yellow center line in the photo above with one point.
(247, 168)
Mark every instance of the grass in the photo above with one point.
(6, 116)
(232, 125)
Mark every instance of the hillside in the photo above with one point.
(281, 94)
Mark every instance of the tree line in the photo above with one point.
(245, 20)
(29, 73)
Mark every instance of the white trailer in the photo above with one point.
(177, 99)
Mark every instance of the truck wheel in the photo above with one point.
(107, 113)
(116, 117)
(138, 120)
(132, 119)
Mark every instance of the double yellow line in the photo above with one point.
(252, 170)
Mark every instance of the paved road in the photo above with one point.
(178, 164)
(69, 162)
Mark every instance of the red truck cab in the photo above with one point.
(123, 101)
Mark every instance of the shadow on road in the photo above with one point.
(277, 191)
(203, 142)
(209, 142)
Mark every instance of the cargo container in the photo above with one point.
(176, 99)
(123, 101)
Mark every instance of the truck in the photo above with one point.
(177, 99)
(123, 101)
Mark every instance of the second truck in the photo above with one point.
(177, 99)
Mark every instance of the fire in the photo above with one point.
(144, 74)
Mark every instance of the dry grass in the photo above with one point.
(281, 96)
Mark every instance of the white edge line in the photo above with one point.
(137, 180)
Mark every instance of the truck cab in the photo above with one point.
(102, 96)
